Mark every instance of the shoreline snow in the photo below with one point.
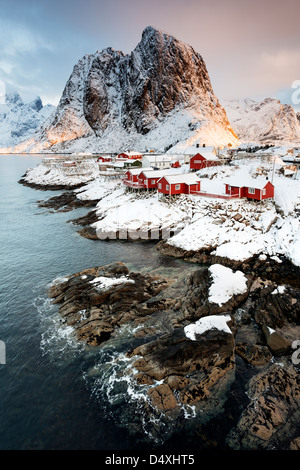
(235, 229)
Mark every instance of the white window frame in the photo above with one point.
(264, 191)
(153, 182)
(251, 190)
(177, 186)
(167, 187)
(159, 185)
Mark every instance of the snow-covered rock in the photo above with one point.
(267, 121)
(226, 283)
(218, 322)
(157, 97)
(20, 119)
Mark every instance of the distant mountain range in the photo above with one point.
(267, 121)
(20, 119)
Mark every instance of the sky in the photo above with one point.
(251, 47)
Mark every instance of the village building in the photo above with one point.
(104, 159)
(187, 183)
(158, 162)
(204, 160)
(132, 155)
(149, 179)
(131, 177)
(257, 189)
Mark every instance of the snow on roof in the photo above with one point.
(132, 152)
(187, 178)
(137, 171)
(210, 322)
(158, 158)
(206, 155)
(247, 182)
(156, 173)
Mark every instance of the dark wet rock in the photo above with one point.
(190, 370)
(196, 304)
(96, 307)
(295, 444)
(273, 410)
(275, 309)
(89, 232)
(88, 219)
(282, 272)
(66, 201)
(276, 342)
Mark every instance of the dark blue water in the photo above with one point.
(46, 401)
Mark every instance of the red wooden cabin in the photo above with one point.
(131, 177)
(199, 161)
(103, 159)
(254, 189)
(149, 179)
(179, 184)
(130, 155)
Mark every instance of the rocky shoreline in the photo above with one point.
(180, 372)
(49, 187)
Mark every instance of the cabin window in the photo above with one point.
(159, 185)
(264, 191)
(152, 181)
(167, 187)
(177, 186)
(251, 190)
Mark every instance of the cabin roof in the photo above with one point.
(187, 178)
(247, 182)
(137, 171)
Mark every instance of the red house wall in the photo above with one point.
(130, 177)
(233, 190)
(134, 157)
(183, 188)
(197, 162)
(147, 182)
(244, 192)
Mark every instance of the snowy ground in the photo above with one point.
(236, 229)
(239, 228)
(45, 175)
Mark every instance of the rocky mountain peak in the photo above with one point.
(111, 94)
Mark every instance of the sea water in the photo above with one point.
(56, 393)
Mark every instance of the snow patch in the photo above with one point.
(226, 283)
(210, 322)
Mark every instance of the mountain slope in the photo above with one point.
(19, 120)
(265, 121)
(157, 96)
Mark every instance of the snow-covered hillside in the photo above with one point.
(267, 121)
(19, 119)
(157, 97)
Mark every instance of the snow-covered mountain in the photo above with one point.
(267, 121)
(20, 119)
(157, 97)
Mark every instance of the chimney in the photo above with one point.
(203, 145)
(197, 146)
